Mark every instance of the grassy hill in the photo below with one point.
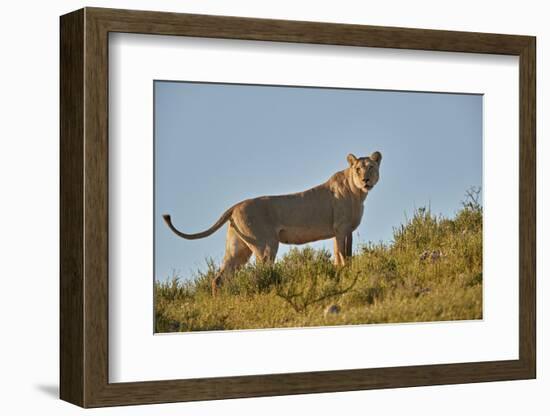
(432, 271)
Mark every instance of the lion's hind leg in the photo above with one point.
(237, 254)
(265, 251)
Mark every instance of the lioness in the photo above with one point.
(332, 209)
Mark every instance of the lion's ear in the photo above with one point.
(351, 159)
(377, 157)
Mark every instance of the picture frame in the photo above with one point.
(84, 215)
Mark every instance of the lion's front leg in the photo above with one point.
(342, 248)
(237, 254)
(348, 245)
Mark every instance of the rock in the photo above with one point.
(421, 291)
(173, 326)
(436, 255)
(332, 310)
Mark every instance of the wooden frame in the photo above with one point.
(84, 207)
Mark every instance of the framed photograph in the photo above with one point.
(254, 207)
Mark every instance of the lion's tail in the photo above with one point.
(223, 219)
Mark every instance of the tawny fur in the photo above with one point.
(331, 210)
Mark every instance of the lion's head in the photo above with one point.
(365, 170)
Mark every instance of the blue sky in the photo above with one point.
(217, 144)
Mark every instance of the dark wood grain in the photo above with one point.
(71, 208)
(527, 208)
(96, 208)
(84, 207)
(162, 23)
